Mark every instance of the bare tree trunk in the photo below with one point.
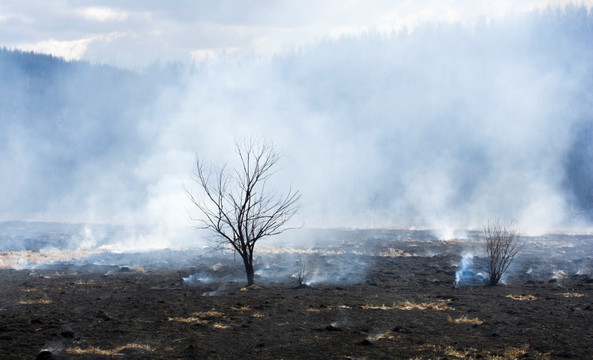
(249, 271)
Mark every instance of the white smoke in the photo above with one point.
(443, 127)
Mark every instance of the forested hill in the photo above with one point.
(60, 118)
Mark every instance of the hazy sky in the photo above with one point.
(136, 33)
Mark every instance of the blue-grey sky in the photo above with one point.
(136, 33)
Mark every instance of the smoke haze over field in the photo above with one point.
(444, 127)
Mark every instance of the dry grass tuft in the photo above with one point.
(91, 350)
(251, 287)
(465, 320)
(385, 335)
(391, 252)
(437, 306)
(221, 326)
(522, 297)
(200, 317)
(208, 314)
(43, 301)
(191, 319)
(516, 352)
(572, 295)
(240, 308)
(374, 307)
(471, 353)
(85, 283)
(316, 310)
(459, 353)
(407, 305)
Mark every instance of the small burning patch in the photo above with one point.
(522, 297)
(465, 320)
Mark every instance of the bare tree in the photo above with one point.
(237, 206)
(502, 245)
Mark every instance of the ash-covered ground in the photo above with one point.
(365, 294)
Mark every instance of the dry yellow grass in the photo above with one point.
(271, 250)
(572, 295)
(221, 326)
(91, 350)
(459, 353)
(375, 307)
(240, 308)
(515, 352)
(407, 305)
(391, 252)
(43, 301)
(208, 314)
(190, 319)
(316, 310)
(438, 306)
(471, 353)
(465, 320)
(385, 335)
(17, 259)
(250, 287)
(200, 317)
(522, 297)
(85, 283)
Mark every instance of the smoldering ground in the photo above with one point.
(404, 304)
(311, 257)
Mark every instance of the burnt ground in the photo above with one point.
(387, 297)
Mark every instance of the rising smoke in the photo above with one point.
(443, 127)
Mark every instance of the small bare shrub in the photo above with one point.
(502, 245)
(301, 272)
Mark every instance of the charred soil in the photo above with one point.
(404, 306)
